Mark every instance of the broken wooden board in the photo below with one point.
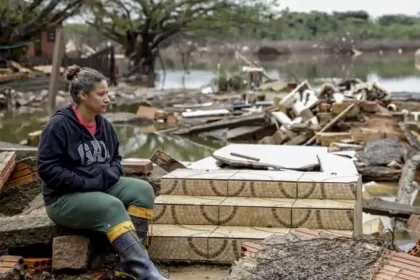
(164, 161)
(257, 119)
(377, 206)
(205, 113)
(7, 165)
(332, 123)
(326, 138)
(379, 173)
(276, 156)
(242, 133)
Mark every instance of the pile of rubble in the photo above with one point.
(326, 255)
(14, 71)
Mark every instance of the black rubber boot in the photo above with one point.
(134, 260)
(141, 226)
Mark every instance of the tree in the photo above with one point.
(21, 21)
(142, 26)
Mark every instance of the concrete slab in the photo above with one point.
(276, 156)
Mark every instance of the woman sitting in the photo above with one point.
(79, 164)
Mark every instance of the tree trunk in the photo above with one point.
(143, 57)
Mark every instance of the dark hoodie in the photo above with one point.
(71, 160)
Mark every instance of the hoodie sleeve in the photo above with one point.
(50, 150)
(114, 172)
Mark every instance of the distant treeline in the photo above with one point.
(308, 26)
(319, 25)
(358, 25)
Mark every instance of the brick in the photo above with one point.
(71, 252)
(137, 166)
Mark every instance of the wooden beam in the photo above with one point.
(394, 209)
(332, 123)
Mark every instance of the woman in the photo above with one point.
(79, 164)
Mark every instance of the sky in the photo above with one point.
(373, 7)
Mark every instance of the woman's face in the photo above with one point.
(97, 100)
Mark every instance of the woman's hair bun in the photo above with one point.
(71, 72)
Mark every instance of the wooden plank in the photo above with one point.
(326, 138)
(205, 113)
(228, 123)
(332, 123)
(388, 208)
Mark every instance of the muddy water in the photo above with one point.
(394, 71)
(135, 141)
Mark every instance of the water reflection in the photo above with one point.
(395, 72)
(134, 142)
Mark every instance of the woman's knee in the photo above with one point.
(142, 194)
(95, 210)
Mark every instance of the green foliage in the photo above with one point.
(22, 20)
(318, 25)
(229, 78)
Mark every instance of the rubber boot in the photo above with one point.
(134, 261)
(141, 226)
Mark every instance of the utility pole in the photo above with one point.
(55, 70)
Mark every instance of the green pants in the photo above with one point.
(102, 211)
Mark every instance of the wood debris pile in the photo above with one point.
(14, 71)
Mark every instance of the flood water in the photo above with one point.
(395, 72)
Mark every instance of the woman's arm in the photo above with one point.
(114, 171)
(51, 151)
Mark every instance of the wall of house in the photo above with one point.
(47, 43)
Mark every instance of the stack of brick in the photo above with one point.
(23, 173)
(38, 265)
